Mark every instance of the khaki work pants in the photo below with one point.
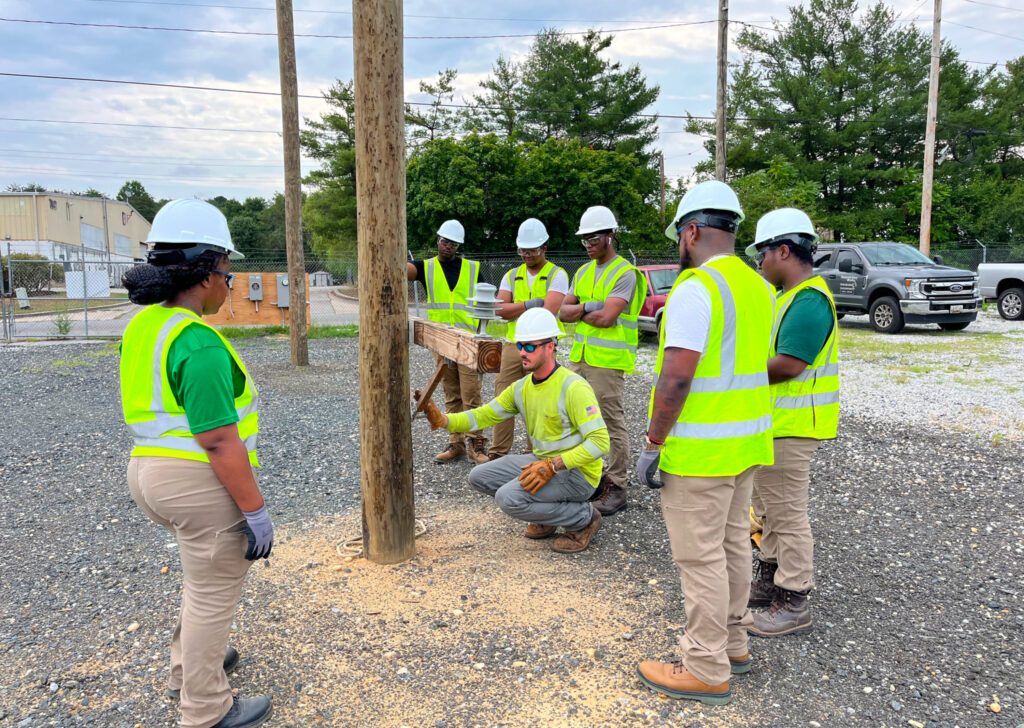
(461, 393)
(511, 372)
(780, 500)
(609, 386)
(709, 532)
(187, 499)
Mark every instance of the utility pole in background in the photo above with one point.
(723, 57)
(929, 134)
(292, 185)
(661, 172)
(385, 427)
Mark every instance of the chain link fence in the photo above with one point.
(45, 299)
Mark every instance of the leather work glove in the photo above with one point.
(260, 531)
(647, 468)
(536, 475)
(533, 303)
(591, 306)
(434, 417)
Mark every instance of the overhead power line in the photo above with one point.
(141, 126)
(60, 155)
(134, 175)
(267, 34)
(984, 30)
(993, 5)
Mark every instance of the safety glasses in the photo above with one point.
(228, 277)
(530, 348)
(592, 240)
(762, 252)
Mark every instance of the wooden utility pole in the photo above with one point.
(723, 65)
(292, 185)
(929, 134)
(661, 172)
(385, 436)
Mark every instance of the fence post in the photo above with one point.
(85, 294)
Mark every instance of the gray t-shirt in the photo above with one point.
(624, 288)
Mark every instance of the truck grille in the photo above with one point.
(950, 288)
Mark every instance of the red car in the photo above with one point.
(659, 282)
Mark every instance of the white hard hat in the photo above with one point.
(595, 219)
(710, 195)
(537, 324)
(192, 221)
(786, 222)
(452, 230)
(532, 234)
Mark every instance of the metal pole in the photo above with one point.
(661, 172)
(85, 293)
(292, 186)
(929, 136)
(385, 434)
(723, 56)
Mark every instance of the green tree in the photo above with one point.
(565, 88)
(779, 185)
(438, 120)
(136, 195)
(491, 184)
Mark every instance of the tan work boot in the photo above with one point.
(454, 451)
(478, 450)
(572, 542)
(740, 664)
(675, 681)
(539, 530)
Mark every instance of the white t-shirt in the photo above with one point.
(688, 315)
(557, 283)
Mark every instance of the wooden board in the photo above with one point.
(242, 311)
(479, 352)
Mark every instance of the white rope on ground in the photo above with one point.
(352, 547)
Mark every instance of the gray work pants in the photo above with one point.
(563, 501)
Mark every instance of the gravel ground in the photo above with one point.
(918, 613)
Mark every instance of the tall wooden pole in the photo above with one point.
(723, 58)
(385, 437)
(292, 185)
(929, 134)
(661, 173)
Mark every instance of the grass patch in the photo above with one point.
(345, 331)
(870, 346)
(69, 305)
(69, 363)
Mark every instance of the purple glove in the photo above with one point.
(260, 531)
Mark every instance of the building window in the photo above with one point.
(92, 237)
(123, 245)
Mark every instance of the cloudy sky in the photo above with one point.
(239, 152)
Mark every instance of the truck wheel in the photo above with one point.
(1011, 304)
(885, 315)
(959, 326)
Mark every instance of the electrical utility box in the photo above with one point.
(255, 287)
(282, 290)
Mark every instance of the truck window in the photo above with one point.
(847, 255)
(662, 280)
(823, 258)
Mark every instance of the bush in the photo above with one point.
(34, 273)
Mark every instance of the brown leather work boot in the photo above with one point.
(675, 681)
(539, 530)
(762, 586)
(611, 500)
(789, 614)
(454, 451)
(740, 664)
(572, 542)
(478, 450)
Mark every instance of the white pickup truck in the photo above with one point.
(1003, 283)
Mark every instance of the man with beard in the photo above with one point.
(551, 487)
(604, 302)
(710, 427)
(451, 281)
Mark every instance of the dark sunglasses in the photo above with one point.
(530, 348)
(762, 252)
(228, 277)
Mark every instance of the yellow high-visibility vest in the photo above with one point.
(447, 305)
(614, 347)
(808, 405)
(523, 290)
(156, 420)
(725, 426)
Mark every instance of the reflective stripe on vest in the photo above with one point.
(725, 425)
(157, 422)
(614, 347)
(451, 306)
(808, 404)
(551, 440)
(523, 290)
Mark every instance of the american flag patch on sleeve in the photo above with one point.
(592, 410)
